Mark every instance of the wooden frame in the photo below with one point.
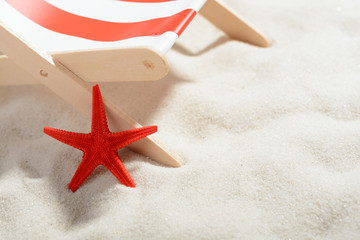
(77, 93)
(66, 74)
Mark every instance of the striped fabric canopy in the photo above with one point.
(70, 25)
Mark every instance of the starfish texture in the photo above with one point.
(100, 145)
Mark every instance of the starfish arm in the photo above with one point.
(76, 140)
(83, 171)
(99, 122)
(117, 168)
(122, 139)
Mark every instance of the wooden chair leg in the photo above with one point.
(232, 24)
(77, 93)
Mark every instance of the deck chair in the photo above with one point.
(65, 44)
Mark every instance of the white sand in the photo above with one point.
(271, 140)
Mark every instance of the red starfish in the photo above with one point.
(100, 145)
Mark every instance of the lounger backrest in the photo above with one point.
(53, 26)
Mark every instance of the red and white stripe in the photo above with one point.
(68, 25)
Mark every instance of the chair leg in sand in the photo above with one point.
(231, 23)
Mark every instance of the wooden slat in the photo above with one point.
(11, 74)
(232, 24)
(77, 93)
(112, 65)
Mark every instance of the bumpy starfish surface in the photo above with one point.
(100, 145)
